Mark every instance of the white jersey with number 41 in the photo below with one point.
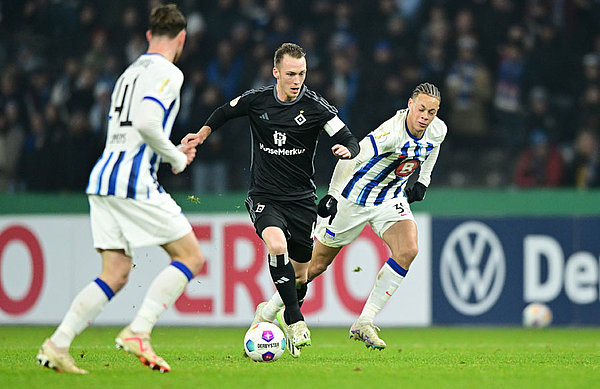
(128, 166)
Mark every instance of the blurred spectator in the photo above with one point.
(507, 99)
(225, 70)
(36, 161)
(77, 150)
(468, 92)
(59, 57)
(539, 115)
(540, 165)
(12, 136)
(584, 170)
(209, 169)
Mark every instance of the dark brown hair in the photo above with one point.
(291, 49)
(167, 20)
(428, 89)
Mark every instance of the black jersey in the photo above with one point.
(284, 139)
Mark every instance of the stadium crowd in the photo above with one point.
(520, 83)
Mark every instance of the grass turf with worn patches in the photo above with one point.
(415, 358)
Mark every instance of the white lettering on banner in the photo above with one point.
(580, 272)
(581, 278)
(226, 292)
(474, 284)
(535, 249)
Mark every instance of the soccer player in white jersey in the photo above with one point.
(128, 208)
(371, 188)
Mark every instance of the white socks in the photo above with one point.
(273, 306)
(387, 281)
(164, 290)
(84, 309)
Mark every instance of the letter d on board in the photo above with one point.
(537, 248)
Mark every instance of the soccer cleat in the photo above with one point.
(138, 344)
(258, 317)
(367, 333)
(297, 335)
(58, 359)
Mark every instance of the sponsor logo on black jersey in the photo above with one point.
(264, 116)
(279, 138)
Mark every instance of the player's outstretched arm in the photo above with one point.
(346, 146)
(148, 121)
(197, 138)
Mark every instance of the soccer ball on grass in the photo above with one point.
(264, 342)
(537, 315)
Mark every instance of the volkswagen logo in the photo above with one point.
(472, 268)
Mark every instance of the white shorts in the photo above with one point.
(351, 219)
(119, 223)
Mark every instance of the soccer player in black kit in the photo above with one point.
(286, 120)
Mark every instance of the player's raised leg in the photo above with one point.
(401, 237)
(162, 293)
(86, 306)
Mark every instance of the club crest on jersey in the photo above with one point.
(279, 138)
(407, 167)
(259, 208)
(300, 119)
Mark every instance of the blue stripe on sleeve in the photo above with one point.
(155, 99)
(374, 144)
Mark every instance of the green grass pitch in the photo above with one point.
(415, 358)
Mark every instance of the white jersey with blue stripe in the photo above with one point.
(395, 155)
(128, 166)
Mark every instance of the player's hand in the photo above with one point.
(341, 151)
(327, 207)
(416, 193)
(197, 138)
(190, 152)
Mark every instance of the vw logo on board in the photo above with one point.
(472, 268)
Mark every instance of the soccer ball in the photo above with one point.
(537, 315)
(264, 342)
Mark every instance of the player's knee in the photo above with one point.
(405, 255)
(116, 281)
(277, 247)
(196, 263)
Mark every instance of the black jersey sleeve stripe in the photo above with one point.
(257, 90)
(314, 96)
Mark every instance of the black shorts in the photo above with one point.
(296, 219)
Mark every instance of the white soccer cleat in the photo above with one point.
(57, 358)
(297, 335)
(367, 333)
(138, 344)
(258, 316)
